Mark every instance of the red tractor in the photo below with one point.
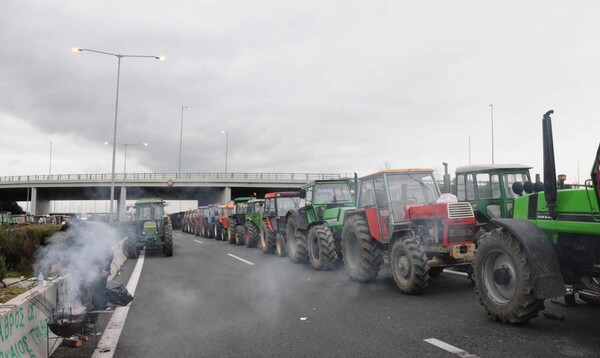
(400, 218)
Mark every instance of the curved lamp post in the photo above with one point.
(119, 57)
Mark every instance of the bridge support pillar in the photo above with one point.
(39, 204)
(226, 195)
(121, 204)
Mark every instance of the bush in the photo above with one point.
(3, 270)
(20, 244)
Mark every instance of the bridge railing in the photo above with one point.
(119, 177)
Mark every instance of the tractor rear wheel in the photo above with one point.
(503, 278)
(239, 235)
(210, 228)
(409, 265)
(296, 243)
(231, 230)
(267, 238)
(362, 255)
(251, 234)
(321, 247)
(168, 240)
(280, 246)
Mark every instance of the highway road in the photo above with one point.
(213, 299)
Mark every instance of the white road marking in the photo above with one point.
(241, 259)
(112, 333)
(456, 272)
(450, 348)
(198, 241)
(179, 235)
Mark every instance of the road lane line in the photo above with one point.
(198, 241)
(450, 348)
(241, 259)
(112, 333)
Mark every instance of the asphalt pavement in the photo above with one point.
(213, 299)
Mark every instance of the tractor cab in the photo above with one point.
(387, 196)
(489, 188)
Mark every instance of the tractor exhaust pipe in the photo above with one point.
(550, 189)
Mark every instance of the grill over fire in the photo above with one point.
(67, 322)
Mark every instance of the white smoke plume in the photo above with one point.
(78, 255)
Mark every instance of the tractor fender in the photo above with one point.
(299, 219)
(547, 278)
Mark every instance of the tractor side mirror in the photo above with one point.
(518, 188)
(302, 194)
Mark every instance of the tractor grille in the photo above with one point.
(460, 210)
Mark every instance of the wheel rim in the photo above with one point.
(352, 253)
(498, 274)
(403, 267)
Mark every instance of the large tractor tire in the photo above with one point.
(251, 234)
(296, 243)
(409, 265)
(267, 239)
(362, 255)
(240, 235)
(131, 247)
(321, 248)
(168, 240)
(231, 231)
(217, 228)
(503, 278)
(210, 230)
(280, 245)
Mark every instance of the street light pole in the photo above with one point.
(181, 135)
(492, 113)
(119, 57)
(50, 166)
(226, 148)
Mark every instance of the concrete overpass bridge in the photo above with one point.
(206, 188)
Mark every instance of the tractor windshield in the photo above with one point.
(149, 212)
(411, 188)
(285, 204)
(329, 193)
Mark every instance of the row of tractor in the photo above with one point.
(519, 242)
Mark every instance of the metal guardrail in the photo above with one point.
(173, 176)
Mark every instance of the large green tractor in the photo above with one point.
(489, 188)
(314, 229)
(552, 239)
(253, 218)
(151, 228)
(274, 225)
(237, 220)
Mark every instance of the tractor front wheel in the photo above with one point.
(267, 238)
(239, 235)
(362, 255)
(409, 265)
(296, 240)
(321, 247)
(231, 231)
(168, 240)
(503, 278)
(251, 234)
(218, 227)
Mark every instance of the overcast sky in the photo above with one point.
(303, 86)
